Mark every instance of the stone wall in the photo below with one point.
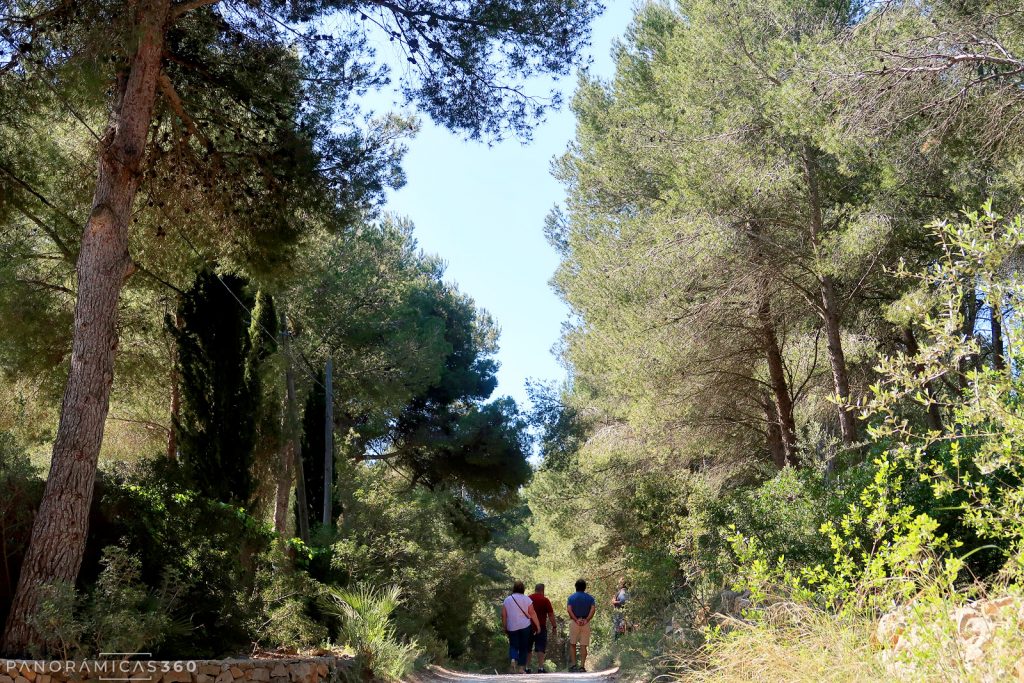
(290, 670)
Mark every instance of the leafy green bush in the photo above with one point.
(290, 616)
(124, 614)
(424, 542)
(59, 617)
(151, 510)
(118, 614)
(786, 513)
(367, 626)
(21, 488)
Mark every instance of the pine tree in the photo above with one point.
(207, 70)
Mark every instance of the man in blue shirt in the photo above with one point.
(581, 608)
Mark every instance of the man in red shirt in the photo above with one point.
(539, 641)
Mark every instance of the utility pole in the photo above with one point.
(328, 441)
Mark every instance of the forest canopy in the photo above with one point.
(243, 408)
(195, 248)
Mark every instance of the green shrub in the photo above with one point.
(785, 513)
(125, 615)
(367, 626)
(150, 509)
(21, 489)
(59, 617)
(118, 614)
(289, 615)
(426, 543)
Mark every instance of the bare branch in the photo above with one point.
(50, 231)
(46, 285)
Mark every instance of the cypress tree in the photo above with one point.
(313, 452)
(219, 350)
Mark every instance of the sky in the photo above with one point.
(481, 208)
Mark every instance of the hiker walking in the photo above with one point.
(539, 640)
(519, 620)
(581, 607)
(618, 603)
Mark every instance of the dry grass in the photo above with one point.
(935, 640)
(790, 643)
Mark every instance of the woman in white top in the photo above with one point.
(519, 621)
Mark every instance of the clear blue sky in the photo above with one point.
(482, 208)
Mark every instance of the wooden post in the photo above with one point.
(328, 441)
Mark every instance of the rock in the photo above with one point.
(176, 677)
(730, 603)
(259, 674)
(209, 669)
(279, 671)
(237, 672)
(29, 674)
(975, 632)
(997, 606)
(43, 678)
(300, 672)
(6, 679)
(889, 630)
(279, 679)
(20, 679)
(972, 653)
(224, 677)
(203, 678)
(321, 669)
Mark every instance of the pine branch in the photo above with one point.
(183, 8)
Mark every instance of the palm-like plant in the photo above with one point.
(365, 614)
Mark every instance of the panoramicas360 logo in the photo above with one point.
(121, 669)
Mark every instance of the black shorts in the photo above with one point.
(539, 641)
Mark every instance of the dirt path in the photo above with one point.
(436, 674)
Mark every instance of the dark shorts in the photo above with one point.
(519, 645)
(539, 641)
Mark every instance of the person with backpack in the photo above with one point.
(519, 620)
(581, 607)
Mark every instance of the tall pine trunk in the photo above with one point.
(286, 469)
(59, 531)
(293, 436)
(837, 360)
(773, 435)
(783, 402)
(290, 466)
(828, 306)
(175, 408)
(998, 352)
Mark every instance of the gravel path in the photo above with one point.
(436, 674)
